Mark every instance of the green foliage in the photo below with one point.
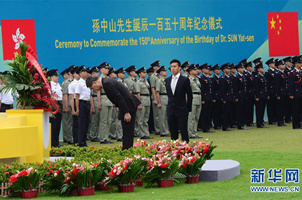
(25, 183)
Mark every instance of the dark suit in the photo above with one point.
(206, 94)
(179, 106)
(120, 96)
(271, 103)
(288, 102)
(282, 92)
(151, 120)
(295, 90)
(240, 94)
(227, 94)
(260, 93)
(216, 108)
(249, 106)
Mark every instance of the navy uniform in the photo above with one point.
(83, 107)
(150, 71)
(295, 91)
(240, 97)
(250, 101)
(227, 95)
(57, 118)
(233, 107)
(216, 96)
(206, 99)
(288, 101)
(185, 67)
(260, 96)
(271, 103)
(281, 89)
(256, 62)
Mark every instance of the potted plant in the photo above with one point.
(190, 166)
(161, 170)
(26, 182)
(81, 178)
(54, 180)
(102, 182)
(124, 174)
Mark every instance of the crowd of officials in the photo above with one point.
(219, 101)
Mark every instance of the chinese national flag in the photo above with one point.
(14, 32)
(283, 34)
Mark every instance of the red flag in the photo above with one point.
(14, 32)
(283, 34)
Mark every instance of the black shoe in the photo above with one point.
(281, 124)
(208, 131)
(250, 125)
(95, 140)
(157, 133)
(114, 138)
(70, 142)
(272, 123)
(199, 129)
(144, 137)
(217, 128)
(197, 136)
(234, 126)
(226, 129)
(119, 140)
(106, 142)
(165, 135)
(243, 128)
(262, 126)
(136, 135)
(193, 137)
(148, 137)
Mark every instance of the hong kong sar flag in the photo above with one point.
(14, 32)
(283, 33)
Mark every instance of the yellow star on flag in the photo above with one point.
(273, 24)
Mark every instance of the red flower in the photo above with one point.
(187, 162)
(164, 165)
(23, 173)
(205, 149)
(112, 173)
(13, 178)
(125, 167)
(75, 172)
(193, 159)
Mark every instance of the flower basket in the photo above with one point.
(165, 183)
(192, 179)
(126, 187)
(86, 191)
(101, 186)
(139, 183)
(29, 194)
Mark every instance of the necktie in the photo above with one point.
(173, 84)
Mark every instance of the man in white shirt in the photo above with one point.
(57, 118)
(6, 98)
(83, 106)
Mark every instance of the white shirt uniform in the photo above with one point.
(56, 89)
(83, 90)
(7, 97)
(71, 88)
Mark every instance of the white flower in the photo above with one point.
(55, 174)
(18, 38)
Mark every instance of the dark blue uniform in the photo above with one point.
(250, 101)
(227, 95)
(261, 94)
(288, 102)
(206, 96)
(295, 90)
(281, 89)
(233, 106)
(240, 96)
(216, 106)
(271, 103)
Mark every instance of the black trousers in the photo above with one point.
(151, 121)
(205, 116)
(280, 106)
(297, 110)
(271, 109)
(75, 126)
(128, 131)
(226, 115)
(5, 107)
(288, 109)
(239, 106)
(216, 113)
(233, 114)
(55, 122)
(249, 111)
(83, 122)
(260, 108)
(176, 123)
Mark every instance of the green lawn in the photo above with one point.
(255, 148)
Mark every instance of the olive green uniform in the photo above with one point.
(105, 115)
(196, 107)
(161, 88)
(153, 79)
(67, 116)
(94, 117)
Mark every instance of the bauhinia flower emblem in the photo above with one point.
(18, 38)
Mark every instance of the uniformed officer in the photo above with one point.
(83, 106)
(261, 95)
(153, 79)
(161, 93)
(196, 102)
(185, 67)
(227, 95)
(150, 71)
(142, 89)
(94, 112)
(206, 100)
(131, 82)
(216, 96)
(57, 118)
(250, 101)
(288, 102)
(6, 97)
(271, 103)
(118, 126)
(105, 108)
(256, 62)
(240, 96)
(281, 89)
(67, 116)
(295, 91)
(112, 131)
(233, 107)
(72, 96)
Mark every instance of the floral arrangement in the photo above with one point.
(191, 165)
(27, 79)
(54, 180)
(25, 180)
